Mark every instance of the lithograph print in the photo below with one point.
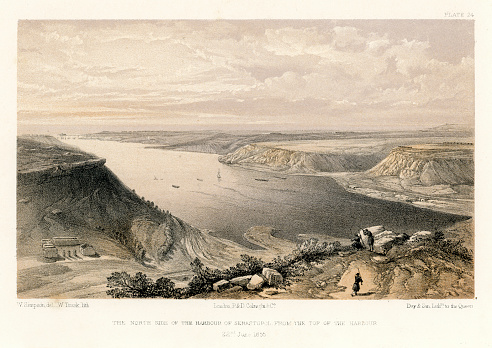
(245, 159)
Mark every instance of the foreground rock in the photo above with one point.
(241, 281)
(273, 277)
(420, 236)
(221, 285)
(256, 282)
(234, 289)
(384, 240)
(366, 236)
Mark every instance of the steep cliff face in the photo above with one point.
(292, 161)
(171, 239)
(82, 198)
(431, 164)
(62, 191)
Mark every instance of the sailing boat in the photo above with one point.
(218, 174)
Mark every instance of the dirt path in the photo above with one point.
(368, 287)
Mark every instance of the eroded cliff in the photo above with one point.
(430, 164)
(292, 161)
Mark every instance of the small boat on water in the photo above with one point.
(258, 179)
(175, 186)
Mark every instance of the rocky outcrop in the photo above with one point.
(431, 164)
(273, 277)
(285, 160)
(384, 240)
(241, 281)
(39, 175)
(221, 285)
(420, 236)
(256, 282)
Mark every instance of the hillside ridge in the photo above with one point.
(430, 164)
(84, 198)
(292, 161)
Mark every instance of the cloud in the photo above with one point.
(64, 39)
(377, 45)
(348, 38)
(267, 68)
(289, 81)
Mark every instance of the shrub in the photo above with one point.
(313, 250)
(249, 265)
(197, 285)
(298, 261)
(455, 247)
(123, 285)
(164, 287)
(288, 266)
(438, 236)
(448, 247)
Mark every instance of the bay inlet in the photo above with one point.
(187, 184)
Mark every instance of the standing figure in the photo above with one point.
(367, 239)
(370, 240)
(356, 242)
(356, 286)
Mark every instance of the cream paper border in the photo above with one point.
(396, 326)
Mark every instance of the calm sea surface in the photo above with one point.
(229, 205)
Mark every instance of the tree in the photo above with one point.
(197, 266)
(164, 287)
(124, 285)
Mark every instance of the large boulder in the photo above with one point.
(385, 234)
(385, 240)
(221, 285)
(241, 281)
(272, 276)
(384, 244)
(376, 229)
(420, 236)
(256, 282)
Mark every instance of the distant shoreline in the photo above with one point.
(343, 180)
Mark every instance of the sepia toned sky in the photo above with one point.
(256, 74)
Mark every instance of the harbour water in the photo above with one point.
(187, 184)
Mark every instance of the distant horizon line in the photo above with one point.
(78, 130)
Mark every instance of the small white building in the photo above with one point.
(87, 250)
(66, 246)
(50, 251)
